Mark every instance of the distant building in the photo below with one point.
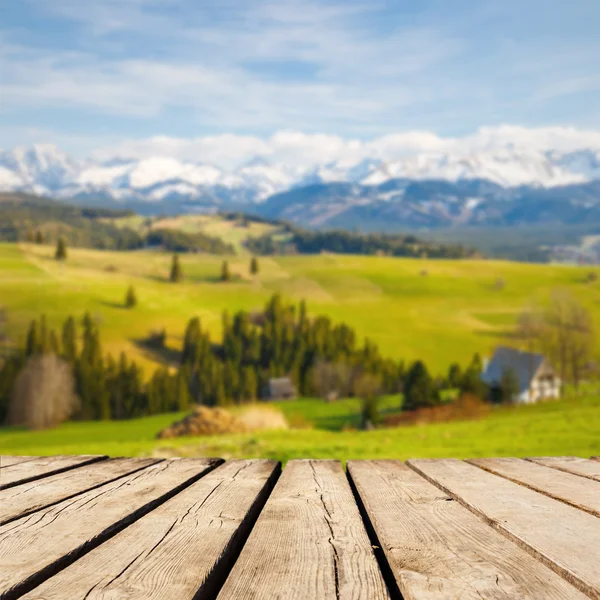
(536, 378)
(281, 388)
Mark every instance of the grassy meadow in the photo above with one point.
(563, 427)
(436, 310)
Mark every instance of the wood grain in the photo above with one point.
(577, 491)
(561, 536)
(309, 542)
(9, 461)
(181, 550)
(31, 470)
(36, 546)
(571, 464)
(21, 500)
(437, 549)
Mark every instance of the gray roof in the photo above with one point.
(524, 364)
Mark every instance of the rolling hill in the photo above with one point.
(436, 310)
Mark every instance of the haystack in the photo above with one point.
(204, 421)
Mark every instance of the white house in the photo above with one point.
(537, 379)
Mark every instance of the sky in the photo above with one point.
(142, 76)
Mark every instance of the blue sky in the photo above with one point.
(84, 73)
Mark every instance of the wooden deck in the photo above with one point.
(90, 527)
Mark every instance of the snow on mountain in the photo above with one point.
(509, 168)
(45, 169)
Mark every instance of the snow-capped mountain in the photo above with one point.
(46, 170)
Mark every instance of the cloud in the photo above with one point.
(303, 149)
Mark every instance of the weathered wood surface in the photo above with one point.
(8, 461)
(571, 464)
(574, 490)
(18, 501)
(30, 470)
(561, 536)
(181, 550)
(36, 546)
(309, 542)
(437, 549)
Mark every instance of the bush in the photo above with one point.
(44, 393)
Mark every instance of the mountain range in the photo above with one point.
(500, 186)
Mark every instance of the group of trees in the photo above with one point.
(176, 274)
(320, 357)
(345, 242)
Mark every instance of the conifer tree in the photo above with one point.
(32, 343)
(176, 271)
(39, 237)
(419, 389)
(130, 298)
(53, 346)
(225, 274)
(254, 266)
(69, 340)
(61, 249)
(30, 236)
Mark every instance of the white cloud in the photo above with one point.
(304, 149)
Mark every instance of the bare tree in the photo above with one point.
(44, 393)
(332, 380)
(562, 330)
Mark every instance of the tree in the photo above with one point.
(30, 236)
(69, 340)
(471, 382)
(61, 249)
(225, 274)
(332, 380)
(43, 394)
(176, 271)
(419, 390)
(454, 376)
(39, 237)
(509, 386)
(563, 331)
(254, 266)
(130, 298)
(368, 387)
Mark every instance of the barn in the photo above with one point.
(535, 375)
(280, 388)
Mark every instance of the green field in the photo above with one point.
(554, 428)
(230, 231)
(436, 310)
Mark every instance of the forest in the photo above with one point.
(322, 358)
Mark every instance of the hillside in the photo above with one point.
(436, 310)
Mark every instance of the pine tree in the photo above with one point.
(176, 271)
(30, 236)
(39, 237)
(61, 249)
(254, 266)
(32, 343)
(419, 389)
(69, 340)
(130, 298)
(53, 346)
(182, 394)
(225, 274)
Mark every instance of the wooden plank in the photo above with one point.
(561, 536)
(37, 546)
(31, 470)
(436, 549)
(577, 491)
(9, 461)
(570, 464)
(181, 550)
(18, 501)
(309, 542)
